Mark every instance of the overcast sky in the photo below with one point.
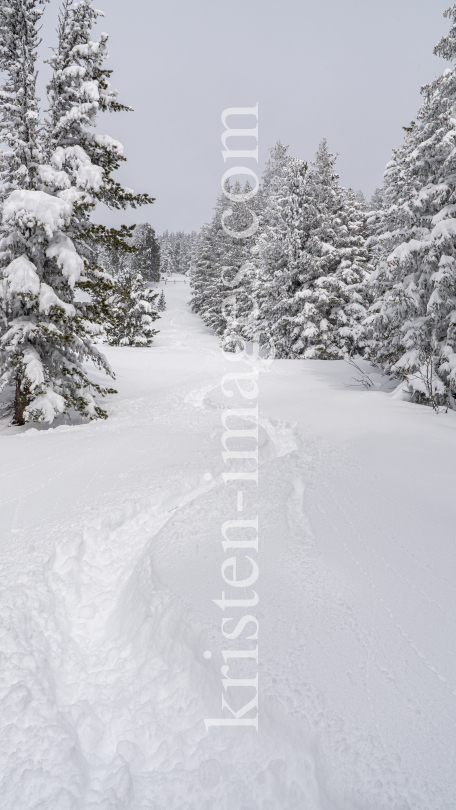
(347, 70)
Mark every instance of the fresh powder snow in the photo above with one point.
(111, 559)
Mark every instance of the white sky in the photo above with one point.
(346, 70)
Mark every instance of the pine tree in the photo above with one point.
(376, 201)
(361, 200)
(311, 294)
(202, 265)
(183, 248)
(195, 239)
(221, 255)
(133, 310)
(413, 320)
(336, 297)
(45, 337)
(274, 169)
(206, 258)
(246, 311)
(48, 243)
(168, 264)
(19, 105)
(288, 218)
(222, 303)
(161, 305)
(112, 261)
(146, 260)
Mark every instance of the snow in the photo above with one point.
(90, 90)
(88, 176)
(30, 207)
(49, 299)
(64, 251)
(442, 228)
(22, 277)
(33, 368)
(74, 71)
(109, 143)
(47, 405)
(111, 560)
(53, 178)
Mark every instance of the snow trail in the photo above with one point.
(110, 560)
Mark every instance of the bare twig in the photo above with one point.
(364, 381)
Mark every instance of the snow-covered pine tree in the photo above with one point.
(44, 337)
(161, 304)
(336, 296)
(146, 260)
(243, 316)
(361, 200)
(110, 260)
(273, 169)
(222, 302)
(220, 256)
(47, 240)
(376, 201)
(205, 260)
(195, 244)
(168, 264)
(287, 220)
(184, 241)
(313, 264)
(236, 280)
(78, 90)
(19, 108)
(133, 310)
(413, 319)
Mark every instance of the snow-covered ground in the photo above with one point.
(110, 562)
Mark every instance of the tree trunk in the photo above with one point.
(21, 400)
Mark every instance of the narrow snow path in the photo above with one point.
(110, 562)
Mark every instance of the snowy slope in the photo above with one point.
(110, 560)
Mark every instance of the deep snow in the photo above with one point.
(110, 560)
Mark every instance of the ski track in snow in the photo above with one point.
(110, 562)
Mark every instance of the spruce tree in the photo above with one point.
(273, 169)
(53, 178)
(206, 258)
(133, 310)
(146, 260)
(288, 218)
(335, 294)
(161, 303)
(222, 305)
(376, 201)
(312, 255)
(19, 105)
(221, 255)
(168, 264)
(413, 319)
(248, 293)
(202, 266)
(184, 240)
(45, 337)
